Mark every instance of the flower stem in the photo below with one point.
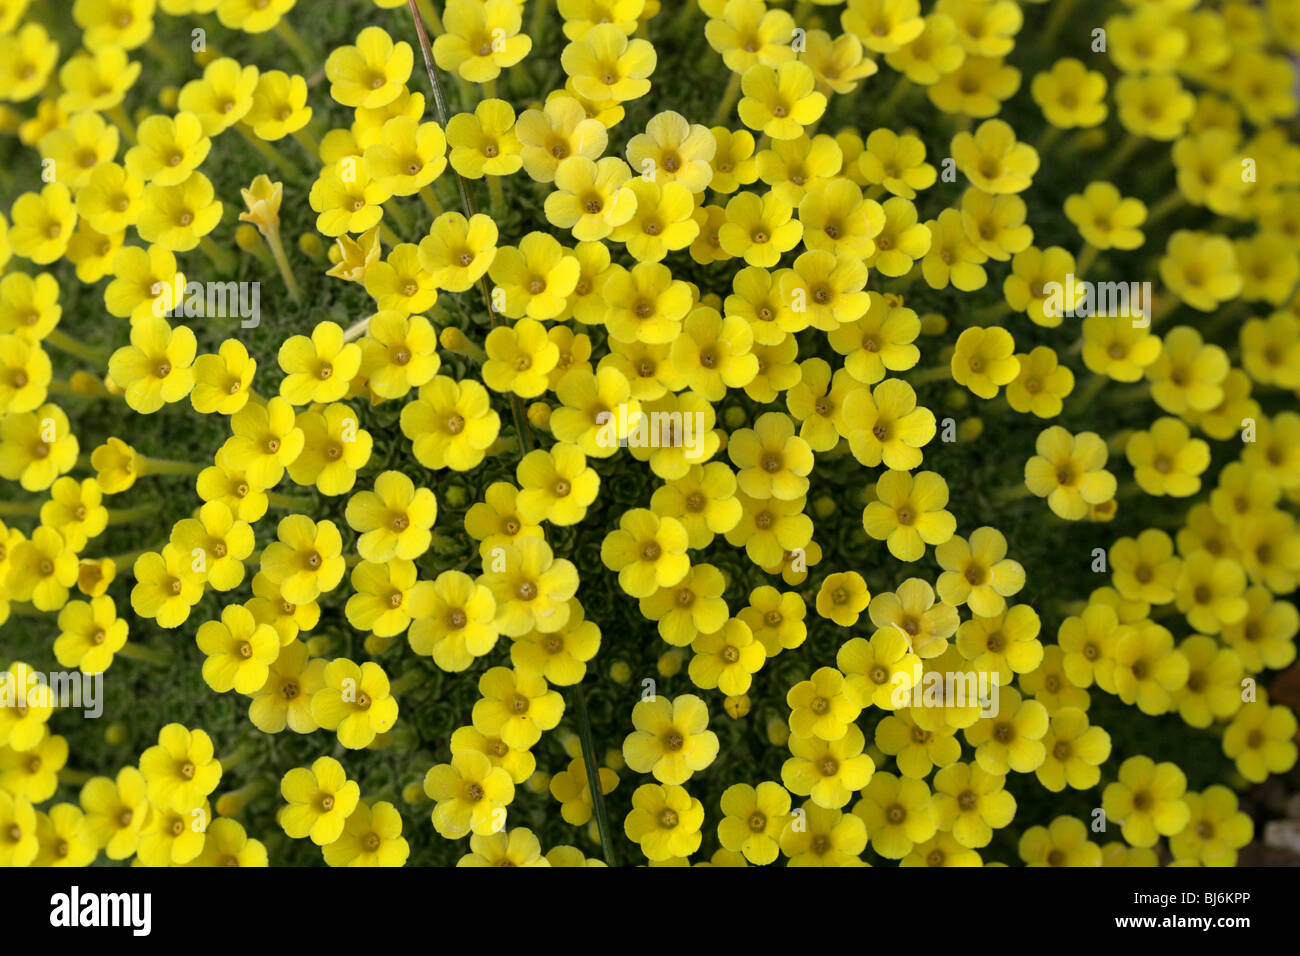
(298, 44)
(10, 509)
(1085, 259)
(497, 196)
(268, 151)
(118, 116)
(166, 466)
(307, 142)
(118, 516)
(1127, 147)
(729, 97)
(1061, 11)
(357, 330)
(1169, 204)
(537, 24)
(289, 502)
(222, 260)
(593, 774)
(148, 655)
(940, 373)
(1083, 398)
(430, 14)
(282, 263)
(70, 345)
(431, 200)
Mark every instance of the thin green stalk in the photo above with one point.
(282, 263)
(66, 343)
(593, 776)
(729, 97)
(222, 260)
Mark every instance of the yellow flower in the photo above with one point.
(745, 32)
(167, 149)
(880, 670)
(591, 197)
(42, 223)
(984, 360)
(372, 836)
(606, 65)
(110, 200)
(975, 87)
(671, 740)
(662, 222)
(1259, 740)
(703, 500)
(535, 280)
(836, 218)
(896, 162)
(484, 142)
(977, 572)
(1166, 460)
(460, 625)
(1147, 800)
(727, 658)
(370, 74)
(115, 812)
(672, 150)
(155, 369)
(36, 447)
(515, 706)
(647, 551)
(558, 131)
(971, 803)
(773, 461)
(29, 57)
(222, 381)
(347, 198)
(521, 356)
(828, 771)
(909, 513)
(1070, 95)
(993, 160)
(952, 256)
(470, 795)
(1215, 829)
(387, 597)
(180, 770)
(334, 448)
(394, 520)
(90, 633)
(176, 217)
(78, 147)
(239, 651)
(306, 560)
(355, 702)
(556, 485)
(572, 788)
(758, 229)
(25, 373)
(780, 101)
(1105, 219)
(665, 821)
(887, 425)
(292, 680)
(883, 26)
(531, 587)
(279, 105)
(451, 424)
(1155, 105)
(318, 368)
(1069, 471)
(42, 569)
(769, 530)
(842, 598)
(167, 586)
(481, 39)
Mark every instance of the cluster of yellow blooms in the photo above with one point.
(589, 353)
